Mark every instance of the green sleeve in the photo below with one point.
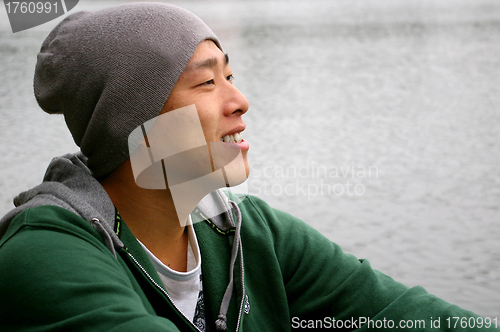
(56, 276)
(324, 283)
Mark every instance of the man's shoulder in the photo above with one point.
(258, 215)
(49, 218)
(258, 208)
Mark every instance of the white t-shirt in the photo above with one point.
(185, 288)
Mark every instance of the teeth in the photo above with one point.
(236, 138)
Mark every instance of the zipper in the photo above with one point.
(242, 274)
(161, 289)
(242, 287)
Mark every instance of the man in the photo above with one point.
(89, 249)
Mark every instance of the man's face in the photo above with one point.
(207, 83)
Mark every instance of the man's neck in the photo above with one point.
(151, 216)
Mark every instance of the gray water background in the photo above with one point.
(377, 122)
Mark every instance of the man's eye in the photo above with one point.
(230, 78)
(208, 82)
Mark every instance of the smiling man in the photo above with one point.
(90, 249)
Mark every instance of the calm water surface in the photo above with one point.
(374, 121)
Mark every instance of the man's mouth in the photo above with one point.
(234, 138)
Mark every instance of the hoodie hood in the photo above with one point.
(67, 183)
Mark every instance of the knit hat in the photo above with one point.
(111, 70)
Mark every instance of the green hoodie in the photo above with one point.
(62, 270)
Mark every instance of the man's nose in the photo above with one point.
(236, 101)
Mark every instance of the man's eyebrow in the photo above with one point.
(208, 63)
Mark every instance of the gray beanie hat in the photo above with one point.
(111, 70)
